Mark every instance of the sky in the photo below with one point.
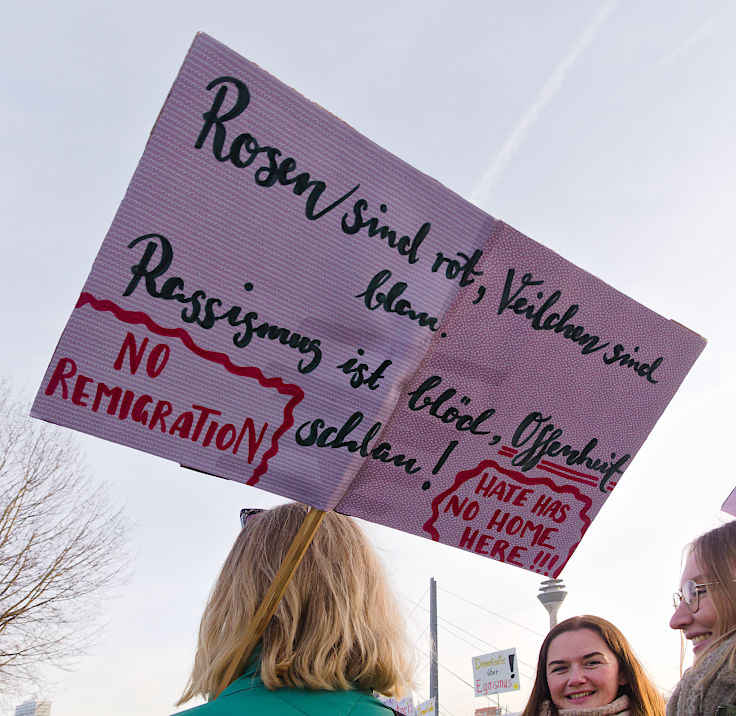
(603, 130)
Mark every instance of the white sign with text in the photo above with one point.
(495, 673)
(427, 708)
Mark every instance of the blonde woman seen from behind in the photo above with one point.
(587, 668)
(705, 612)
(335, 637)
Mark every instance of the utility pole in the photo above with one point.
(433, 691)
(552, 593)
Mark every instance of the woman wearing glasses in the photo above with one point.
(705, 612)
(336, 635)
(587, 668)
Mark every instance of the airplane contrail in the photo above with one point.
(708, 28)
(488, 180)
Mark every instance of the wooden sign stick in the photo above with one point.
(281, 580)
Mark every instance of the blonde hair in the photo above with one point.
(337, 626)
(716, 555)
(644, 699)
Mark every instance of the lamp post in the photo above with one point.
(551, 594)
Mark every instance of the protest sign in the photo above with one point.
(729, 504)
(403, 706)
(427, 708)
(495, 673)
(281, 302)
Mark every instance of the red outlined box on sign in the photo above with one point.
(527, 521)
(100, 383)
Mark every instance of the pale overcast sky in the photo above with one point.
(603, 130)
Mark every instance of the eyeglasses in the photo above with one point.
(247, 512)
(690, 594)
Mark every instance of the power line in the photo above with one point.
(500, 616)
(450, 671)
(417, 604)
(495, 648)
(486, 643)
(424, 631)
(460, 678)
(465, 631)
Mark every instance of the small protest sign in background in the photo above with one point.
(427, 708)
(495, 673)
(403, 706)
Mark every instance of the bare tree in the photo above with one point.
(62, 547)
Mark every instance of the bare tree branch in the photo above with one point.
(62, 547)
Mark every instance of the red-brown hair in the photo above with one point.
(644, 699)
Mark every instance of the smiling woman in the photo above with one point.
(582, 670)
(587, 668)
(705, 612)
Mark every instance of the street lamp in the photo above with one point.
(551, 594)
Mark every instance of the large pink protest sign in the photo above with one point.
(280, 301)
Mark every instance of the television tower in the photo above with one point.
(552, 593)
